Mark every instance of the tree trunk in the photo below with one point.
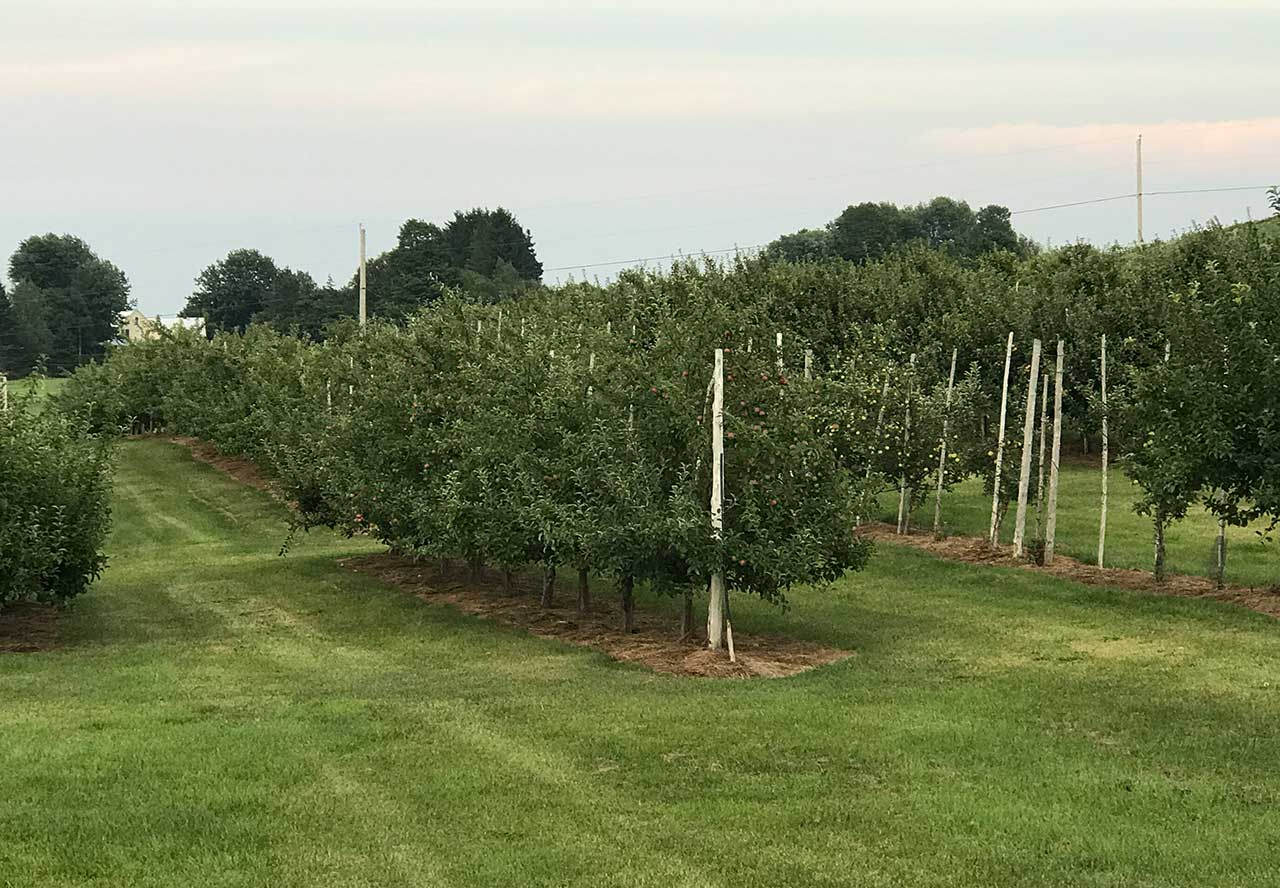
(508, 581)
(686, 615)
(584, 591)
(475, 566)
(1159, 566)
(628, 604)
(444, 565)
(548, 585)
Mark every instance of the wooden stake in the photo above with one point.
(1028, 439)
(904, 495)
(1044, 424)
(1102, 519)
(1051, 520)
(718, 599)
(1220, 551)
(808, 364)
(779, 352)
(942, 449)
(994, 534)
(363, 303)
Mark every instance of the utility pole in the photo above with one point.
(363, 304)
(1139, 187)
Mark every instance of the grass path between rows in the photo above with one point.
(222, 716)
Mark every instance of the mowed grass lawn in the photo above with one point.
(40, 386)
(1190, 543)
(222, 716)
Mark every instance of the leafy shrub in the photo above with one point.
(54, 506)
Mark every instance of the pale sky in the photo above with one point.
(167, 133)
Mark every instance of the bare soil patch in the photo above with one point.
(654, 644)
(27, 628)
(975, 550)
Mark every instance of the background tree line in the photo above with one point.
(64, 305)
(482, 253)
(868, 231)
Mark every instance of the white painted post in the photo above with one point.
(1102, 519)
(499, 335)
(591, 365)
(328, 394)
(748, 345)
(779, 352)
(351, 389)
(363, 303)
(904, 495)
(717, 605)
(808, 364)
(1028, 439)
(942, 449)
(1051, 521)
(994, 534)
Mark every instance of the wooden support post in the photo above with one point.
(904, 494)
(942, 448)
(1028, 439)
(1051, 520)
(1220, 554)
(884, 402)
(779, 352)
(808, 364)
(1106, 455)
(1044, 424)
(4, 392)
(363, 300)
(994, 534)
(717, 606)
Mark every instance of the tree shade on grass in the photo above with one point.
(218, 715)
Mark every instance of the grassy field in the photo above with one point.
(221, 716)
(967, 510)
(42, 386)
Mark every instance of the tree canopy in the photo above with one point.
(483, 254)
(868, 231)
(65, 304)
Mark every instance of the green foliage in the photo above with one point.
(66, 303)
(573, 442)
(867, 232)
(54, 486)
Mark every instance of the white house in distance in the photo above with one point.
(135, 326)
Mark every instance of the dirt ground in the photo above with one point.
(975, 550)
(28, 628)
(654, 644)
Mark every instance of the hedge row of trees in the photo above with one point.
(570, 429)
(54, 499)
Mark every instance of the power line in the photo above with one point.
(1132, 195)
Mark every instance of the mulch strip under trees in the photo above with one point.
(655, 643)
(976, 550)
(27, 627)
